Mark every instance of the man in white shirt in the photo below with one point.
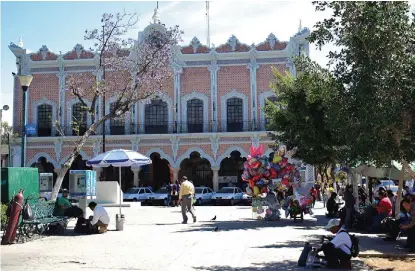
(337, 251)
(100, 219)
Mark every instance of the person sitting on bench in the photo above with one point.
(62, 204)
(100, 220)
(337, 252)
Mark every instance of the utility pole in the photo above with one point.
(103, 96)
(208, 24)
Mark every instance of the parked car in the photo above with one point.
(159, 197)
(229, 195)
(387, 183)
(247, 199)
(203, 195)
(140, 194)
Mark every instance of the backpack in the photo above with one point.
(354, 250)
(27, 212)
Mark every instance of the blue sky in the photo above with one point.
(60, 25)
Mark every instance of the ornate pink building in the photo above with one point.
(202, 126)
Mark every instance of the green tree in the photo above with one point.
(299, 116)
(375, 65)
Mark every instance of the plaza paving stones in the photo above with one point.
(154, 239)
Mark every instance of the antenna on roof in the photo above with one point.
(208, 25)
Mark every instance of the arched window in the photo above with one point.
(271, 99)
(44, 120)
(79, 119)
(117, 125)
(234, 115)
(195, 116)
(156, 117)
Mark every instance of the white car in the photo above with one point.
(158, 197)
(203, 195)
(230, 195)
(138, 194)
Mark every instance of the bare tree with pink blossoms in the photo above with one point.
(136, 71)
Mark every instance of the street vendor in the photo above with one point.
(338, 251)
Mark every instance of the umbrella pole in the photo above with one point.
(120, 188)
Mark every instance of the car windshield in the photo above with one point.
(387, 183)
(226, 190)
(132, 191)
(394, 189)
(198, 190)
(161, 191)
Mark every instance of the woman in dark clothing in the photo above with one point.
(332, 206)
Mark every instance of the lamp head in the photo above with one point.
(25, 80)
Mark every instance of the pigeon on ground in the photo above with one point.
(213, 219)
(216, 228)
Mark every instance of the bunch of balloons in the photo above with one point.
(257, 172)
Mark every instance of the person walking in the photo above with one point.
(186, 194)
(349, 204)
(169, 194)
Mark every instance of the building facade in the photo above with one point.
(202, 126)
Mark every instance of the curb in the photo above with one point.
(386, 255)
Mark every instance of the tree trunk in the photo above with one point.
(400, 188)
(70, 160)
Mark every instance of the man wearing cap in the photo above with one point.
(100, 219)
(186, 194)
(62, 204)
(410, 227)
(337, 251)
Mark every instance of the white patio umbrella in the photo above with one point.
(119, 158)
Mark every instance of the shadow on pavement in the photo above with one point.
(273, 266)
(249, 224)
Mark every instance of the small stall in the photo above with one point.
(45, 185)
(82, 186)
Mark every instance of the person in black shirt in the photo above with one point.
(332, 206)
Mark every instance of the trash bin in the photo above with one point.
(119, 222)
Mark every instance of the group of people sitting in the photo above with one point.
(98, 223)
(375, 214)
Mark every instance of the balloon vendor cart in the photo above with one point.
(268, 175)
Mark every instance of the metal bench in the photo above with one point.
(41, 223)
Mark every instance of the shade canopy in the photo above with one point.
(119, 158)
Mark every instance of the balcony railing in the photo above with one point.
(153, 128)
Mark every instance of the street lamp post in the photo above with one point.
(5, 108)
(25, 81)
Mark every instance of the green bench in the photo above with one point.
(43, 218)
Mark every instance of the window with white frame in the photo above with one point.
(195, 116)
(156, 117)
(79, 119)
(271, 99)
(44, 120)
(234, 108)
(117, 125)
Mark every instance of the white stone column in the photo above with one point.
(253, 66)
(214, 68)
(136, 172)
(176, 107)
(215, 179)
(175, 174)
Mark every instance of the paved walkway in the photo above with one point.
(154, 239)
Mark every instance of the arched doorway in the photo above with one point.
(197, 169)
(44, 166)
(232, 167)
(157, 174)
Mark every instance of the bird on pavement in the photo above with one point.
(213, 219)
(216, 228)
